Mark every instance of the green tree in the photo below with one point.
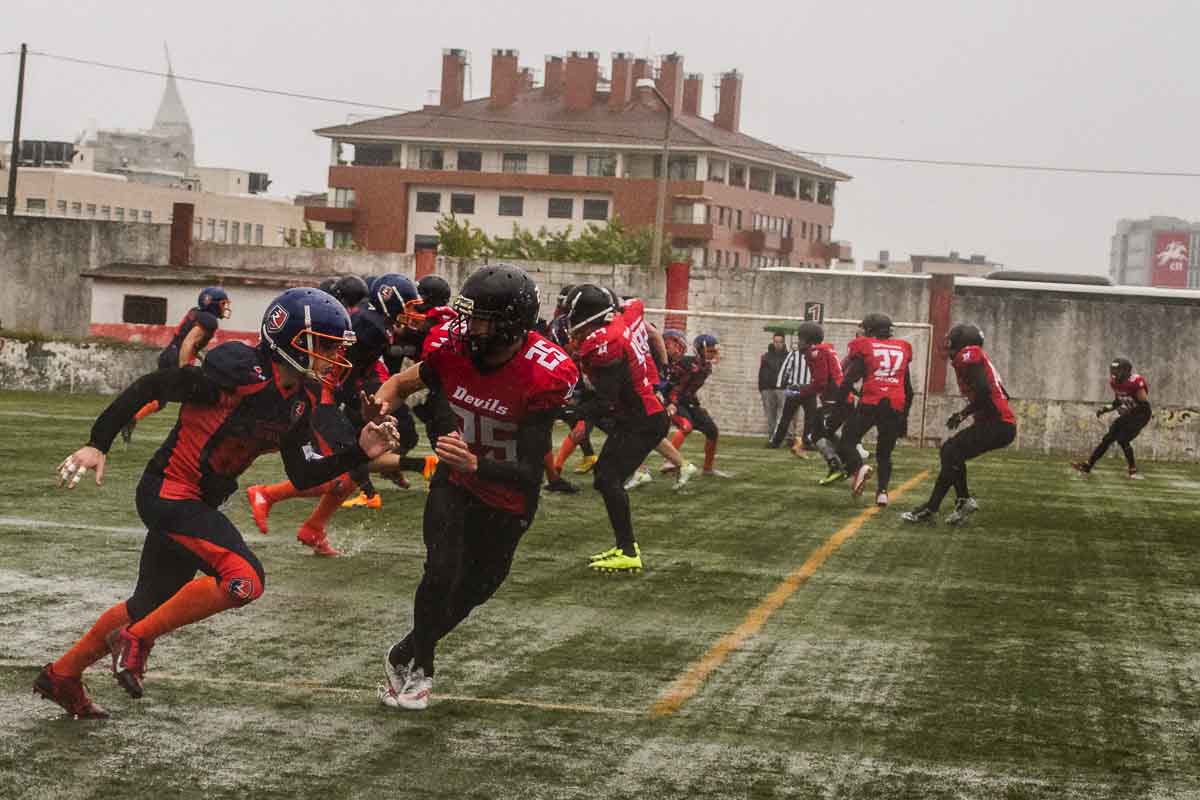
(307, 238)
(459, 239)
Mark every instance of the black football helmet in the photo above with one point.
(810, 333)
(588, 304)
(502, 295)
(877, 326)
(434, 292)
(560, 305)
(1121, 369)
(350, 290)
(326, 285)
(964, 334)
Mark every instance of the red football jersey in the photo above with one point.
(824, 371)
(490, 408)
(975, 355)
(1127, 391)
(614, 343)
(634, 313)
(886, 362)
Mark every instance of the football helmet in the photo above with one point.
(561, 306)
(676, 343)
(497, 307)
(588, 304)
(309, 330)
(395, 296)
(1121, 369)
(964, 334)
(707, 347)
(215, 301)
(810, 333)
(434, 292)
(877, 326)
(349, 290)
(327, 285)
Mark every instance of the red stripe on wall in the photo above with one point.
(161, 335)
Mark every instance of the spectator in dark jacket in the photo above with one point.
(770, 380)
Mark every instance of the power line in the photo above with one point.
(766, 150)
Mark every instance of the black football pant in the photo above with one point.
(791, 404)
(624, 451)
(960, 448)
(888, 424)
(826, 422)
(469, 548)
(697, 419)
(1123, 431)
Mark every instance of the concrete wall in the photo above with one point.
(41, 261)
(62, 366)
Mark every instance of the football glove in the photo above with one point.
(954, 420)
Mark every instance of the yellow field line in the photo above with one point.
(687, 684)
(301, 686)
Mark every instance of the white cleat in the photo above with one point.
(686, 474)
(881, 499)
(964, 507)
(860, 479)
(637, 479)
(863, 452)
(396, 677)
(417, 689)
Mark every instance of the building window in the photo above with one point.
(258, 234)
(717, 258)
(91, 209)
(514, 162)
(146, 215)
(62, 208)
(223, 232)
(562, 164)
(429, 201)
(737, 260)
(76, 209)
(35, 205)
(343, 198)
(119, 214)
(803, 229)
(682, 168)
(760, 179)
(716, 170)
(430, 158)
(423, 241)
(804, 189)
(211, 232)
(737, 175)
(512, 206)
(561, 208)
(198, 229)
(343, 240)
(246, 232)
(785, 186)
(602, 165)
(365, 156)
(141, 310)
(462, 204)
(595, 209)
(470, 160)
(820, 233)
(236, 232)
(825, 193)
(105, 212)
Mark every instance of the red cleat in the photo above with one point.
(318, 541)
(129, 656)
(67, 692)
(260, 506)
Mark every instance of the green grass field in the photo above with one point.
(1048, 650)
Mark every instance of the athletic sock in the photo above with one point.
(150, 408)
(328, 505)
(92, 647)
(199, 599)
(286, 490)
(564, 452)
(552, 470)
(710, 453)
(677, 439)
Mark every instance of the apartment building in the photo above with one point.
(581, 148)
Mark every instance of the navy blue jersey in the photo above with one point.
(190, 320)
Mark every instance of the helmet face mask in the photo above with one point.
(309, 331)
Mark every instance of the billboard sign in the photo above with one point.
(1169, 268)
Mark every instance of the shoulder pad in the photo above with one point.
(207, 321)
(235, 364)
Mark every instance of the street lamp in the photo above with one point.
(660, 210)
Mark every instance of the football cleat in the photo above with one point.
(881, 499)
(667, 467)
(716, 473)
(562, 485)
(362, 501)
(396, 677)
(799, 450)
(67, 692)
(1134, 475)
(964, 507)
(414, 696)
(586, 464)
(317, 540)
(619, 562)
(833, 477)
(920, 514)
(127, 431)
(637, 479)
(430, 467)
(612, 551)
(260, 506)
(686, 474)
(863, 452)
(1081, 467)
(860, 479)
(129, 656)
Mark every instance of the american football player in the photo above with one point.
(1131, 401)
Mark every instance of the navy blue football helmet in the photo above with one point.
(396, 297)
(676, 343)
(309, 330)
(215, 301)
(707, 347)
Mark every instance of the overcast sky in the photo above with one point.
(1057, 83)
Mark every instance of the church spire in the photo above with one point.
(172, 118)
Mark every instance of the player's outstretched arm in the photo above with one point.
(306, 468)
(396, 388)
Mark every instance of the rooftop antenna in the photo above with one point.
(170, 70)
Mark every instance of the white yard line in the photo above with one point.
(36, 524)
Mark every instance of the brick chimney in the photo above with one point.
(729, 101)
(693, 89)
(621, 86)
(506, 78)
(583, 71)
(641, 69)
(454, 75)
(670, 80)
(525, 79)
(554, 76)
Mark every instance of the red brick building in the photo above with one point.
(577, 149)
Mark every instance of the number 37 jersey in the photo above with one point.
(490, 408)
(886, 362)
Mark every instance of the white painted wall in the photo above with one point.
(247, 302)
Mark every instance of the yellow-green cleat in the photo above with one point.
(612, 551)
(619, 563)
(834, 476)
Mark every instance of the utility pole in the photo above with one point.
(15, 156)
(661, 209)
